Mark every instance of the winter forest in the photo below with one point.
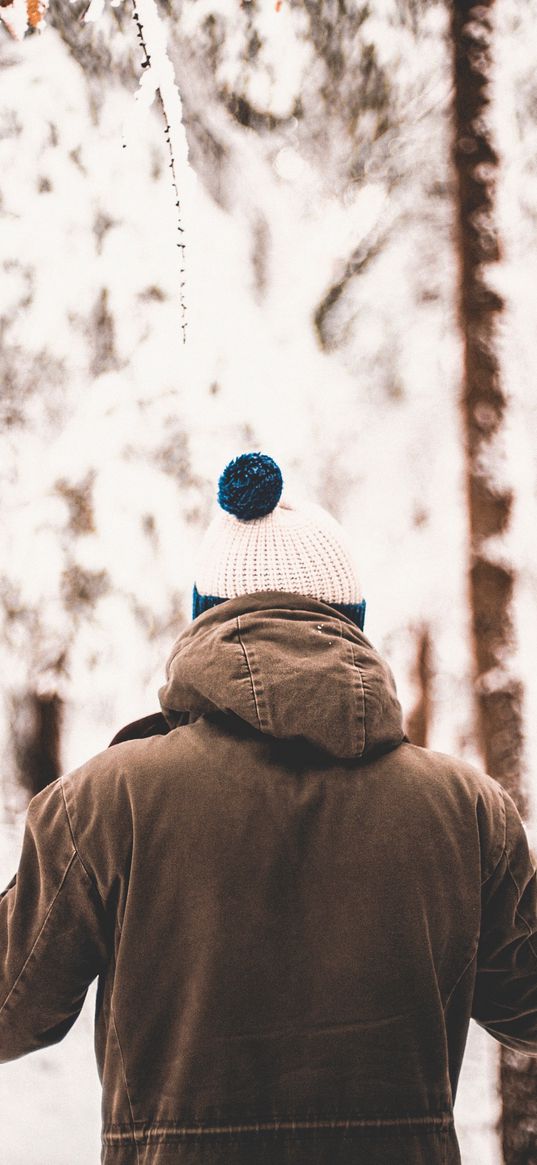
(307, 227)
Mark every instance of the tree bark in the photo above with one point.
(484, 405)
(418, 723)
(36, 734)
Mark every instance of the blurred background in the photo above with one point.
(359, 214)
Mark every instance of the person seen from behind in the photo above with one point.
(292, 911)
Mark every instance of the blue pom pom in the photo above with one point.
(250, 486)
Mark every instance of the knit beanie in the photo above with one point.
(257, 542)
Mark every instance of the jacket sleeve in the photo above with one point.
(505, 995)
(52, 933)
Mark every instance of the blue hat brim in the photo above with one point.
(353, 611)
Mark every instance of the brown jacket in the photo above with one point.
(292, 911)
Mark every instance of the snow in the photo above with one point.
(368, 425)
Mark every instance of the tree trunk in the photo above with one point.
(491, 578)
(418, 723)
(36, 723)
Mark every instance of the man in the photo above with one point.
(293, 912)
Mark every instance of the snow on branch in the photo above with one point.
(158, 79)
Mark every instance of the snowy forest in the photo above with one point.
(307, 227)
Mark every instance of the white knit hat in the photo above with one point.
(258, 543)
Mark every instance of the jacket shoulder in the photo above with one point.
(471, 790)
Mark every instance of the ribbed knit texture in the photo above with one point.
(302, 550)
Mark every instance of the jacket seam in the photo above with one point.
(495, 868)
(361, 688)
(466, 967)
(113, 1018)
(112, 1135)
(89, 876)
(250, 674)
(40, 932)
(112, 1014)
(518, 914)
(504, 842)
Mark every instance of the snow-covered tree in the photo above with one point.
(490, 480)
(320, 291)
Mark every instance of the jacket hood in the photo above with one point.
(290, 666)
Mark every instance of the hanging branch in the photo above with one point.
(168, 95)
(20, 15)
